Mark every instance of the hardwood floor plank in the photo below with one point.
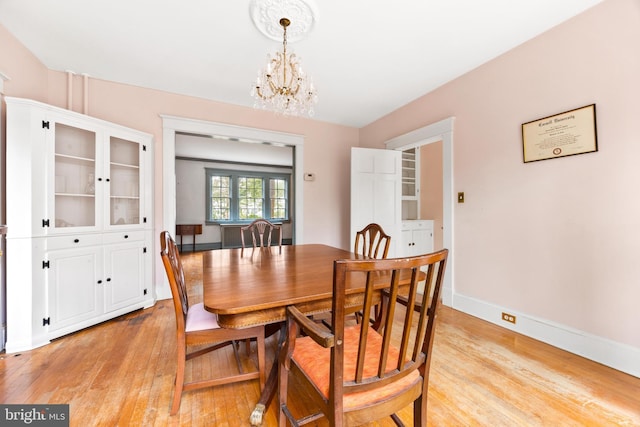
(140, 384)
(121, 373)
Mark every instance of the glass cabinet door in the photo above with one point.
(74, 177)
(124, 175)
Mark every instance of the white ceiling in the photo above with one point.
(367, 57)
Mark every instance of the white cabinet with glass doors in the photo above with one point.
(79, 204)
(97, 179)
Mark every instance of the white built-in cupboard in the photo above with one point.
(381, 181)
(417, 234)
(410, 183)
(417, 237)
(79, 211)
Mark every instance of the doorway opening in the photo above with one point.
(436, 132)
(239, 134)
(200, 158)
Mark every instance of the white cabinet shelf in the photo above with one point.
(410, 174)
(79, 204)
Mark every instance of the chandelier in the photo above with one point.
(282, 86)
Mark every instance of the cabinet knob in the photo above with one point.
(76, 240)
(106, 179)
(99, 179)
(108, 279)
(126, 236)
(99, 282)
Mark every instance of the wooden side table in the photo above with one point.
(189, 230)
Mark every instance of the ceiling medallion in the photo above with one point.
(266, 15)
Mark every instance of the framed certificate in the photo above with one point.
(565, 134)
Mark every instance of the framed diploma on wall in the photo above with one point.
(565, 134)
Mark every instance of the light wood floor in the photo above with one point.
(120, 373)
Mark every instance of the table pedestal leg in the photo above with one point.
(271, 386)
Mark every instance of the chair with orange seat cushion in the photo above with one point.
(197, 327)
(356, 374)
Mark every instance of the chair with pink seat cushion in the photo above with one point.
(261, 231)
(356, 374)
(197, 327)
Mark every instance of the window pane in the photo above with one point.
(278, 194)
(220, 197)
(250, 198)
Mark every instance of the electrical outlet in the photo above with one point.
(509, 318)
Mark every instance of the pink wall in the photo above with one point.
(555, 239)
(327, 147)
(431, 188)
(28, 76)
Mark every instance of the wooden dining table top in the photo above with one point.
(254, 286)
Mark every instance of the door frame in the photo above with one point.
(172, 125)
(439, 131)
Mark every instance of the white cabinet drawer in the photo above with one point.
(73, 241)
(123, 237)
(421, 224)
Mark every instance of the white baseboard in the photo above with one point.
(163, 290)
(616, 355)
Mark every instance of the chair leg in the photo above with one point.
(396, 419)
(420, 411)
(177, 392)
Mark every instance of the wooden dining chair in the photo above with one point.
(261, 230)
(197, 327)
(356, 374)
(372, 242)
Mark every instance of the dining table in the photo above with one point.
(254, 286)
